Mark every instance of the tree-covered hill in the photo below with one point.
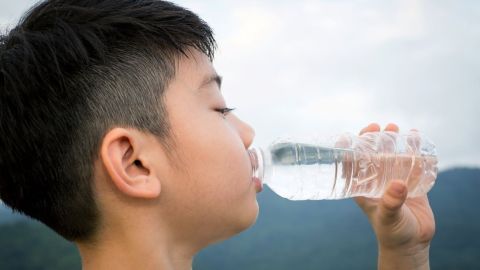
(288, 235)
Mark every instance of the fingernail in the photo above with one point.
(398, 188)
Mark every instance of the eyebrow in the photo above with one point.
(211, 79)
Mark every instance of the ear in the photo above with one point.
(125, 158)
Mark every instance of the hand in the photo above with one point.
(404, 227)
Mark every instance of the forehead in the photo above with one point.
(191, 76)
(193, 67)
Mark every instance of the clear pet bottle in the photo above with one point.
(348, 166)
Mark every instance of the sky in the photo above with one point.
(325, 67)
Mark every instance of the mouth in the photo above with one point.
(258, 184)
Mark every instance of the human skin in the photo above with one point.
(159, 209)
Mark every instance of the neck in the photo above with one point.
(135, 249)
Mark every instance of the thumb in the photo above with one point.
(392, 201)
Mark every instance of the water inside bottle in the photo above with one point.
(310, 172)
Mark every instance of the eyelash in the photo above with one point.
(224, 111)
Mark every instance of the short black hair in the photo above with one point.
(69, 72)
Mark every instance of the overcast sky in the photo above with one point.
(327, 67)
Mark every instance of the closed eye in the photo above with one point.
(224, 111)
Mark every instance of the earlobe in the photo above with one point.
(125, 160)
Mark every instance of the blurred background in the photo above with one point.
(326, 67)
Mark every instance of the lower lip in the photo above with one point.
(258, 184)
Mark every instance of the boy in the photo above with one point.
(115, 135)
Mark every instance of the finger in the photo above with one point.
(392, 201)
(343, 141)
(392, 127)
(387, 141)
(373, 127)
(416, 171)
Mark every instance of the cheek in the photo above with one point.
(224, 171)
(216, 167)
(216, 186)
(219, 171)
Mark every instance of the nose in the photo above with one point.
(247, 133)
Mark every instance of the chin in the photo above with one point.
(239, 220)
(248, 218)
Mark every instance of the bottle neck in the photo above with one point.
(258, 163)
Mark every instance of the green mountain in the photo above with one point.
(336, 234)
(288, 235)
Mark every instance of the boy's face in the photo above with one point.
(212, 192)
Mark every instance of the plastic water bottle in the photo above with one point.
(347, 167)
